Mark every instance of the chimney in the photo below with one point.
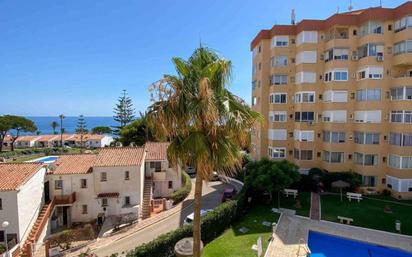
(293, 17)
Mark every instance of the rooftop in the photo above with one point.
(17, 174)
(120, 156)
(74, 164)
(156, 150)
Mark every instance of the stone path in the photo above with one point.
(315, 206)
(292, 234)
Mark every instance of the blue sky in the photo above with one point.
(75, 57)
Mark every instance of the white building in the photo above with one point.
(21, 198)
(26, 141)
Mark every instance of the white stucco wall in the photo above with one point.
(30, 201)
(9, 211)
(161, 187)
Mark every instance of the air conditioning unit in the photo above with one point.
(379, 58)
(310, 123)
(351, 116)
(355, 57)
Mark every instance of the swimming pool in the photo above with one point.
(325, 245)
(47, 159)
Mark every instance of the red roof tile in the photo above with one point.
(120, 156)
(73, 164)
(13, 175)
(156, 151)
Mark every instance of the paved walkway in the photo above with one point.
(292, 231)
(315, 206)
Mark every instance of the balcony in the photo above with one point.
(65, 199)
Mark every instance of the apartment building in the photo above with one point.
(337, 94)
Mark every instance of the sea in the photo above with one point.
(43, 123)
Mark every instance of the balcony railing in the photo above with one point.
(65, 199)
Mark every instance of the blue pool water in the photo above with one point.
(324, 245)
(47, 159)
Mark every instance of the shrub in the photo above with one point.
(386, 192)
(180, 194)
(2, 248)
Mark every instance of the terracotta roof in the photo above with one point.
(13, 175)
(27, 138)
(108, 195)
(65, 137)
(48, 138)
(156, 151)
(356, 17)
(74, 164)
(87, 137)
(120, 156)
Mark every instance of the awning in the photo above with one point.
(108, 195)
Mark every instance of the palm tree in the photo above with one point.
(54, 125)
(204, 122)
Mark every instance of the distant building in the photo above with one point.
(336, 94)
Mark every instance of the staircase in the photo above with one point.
(26, 249)
(147, 197)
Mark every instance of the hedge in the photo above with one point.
(181, 194)
(213, 225)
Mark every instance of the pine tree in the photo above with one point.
(124, 111)
(81, 130)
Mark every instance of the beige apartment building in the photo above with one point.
(337, 94)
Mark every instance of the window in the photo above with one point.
(305, 97)
(58, 184)
(368, 116)
(401, 93)
(304, 116)
(103, 176)
(369, 181)
(305, 77)
(126, 175)
(369, 94)
(340, 75)
(370, 72)
(304, 155)
(400, 162)
(335, 96)
(399, 185)
(170, 185)
(254, 100)
(336, 54)
(402, 47)
(333, 157)
(277, 134)
(127, 200)
(105, 202)
(304, 135)
(370, 49)
(83, 183)
(84, 209)
(405, 22)
(307, 37)
(368, 138)
(279, 61)
(333, 137)
(1, 204)
(365, 159)
(157, 166)
(401, 116)
(337, 116)
(277, 152)
(371, 27)
(400, 139)
(306, 57)
(278, 98)
(279, 79)
(280, 41)
(279, 116)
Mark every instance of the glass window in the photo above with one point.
(103, 176)
(278, 79)
(83, 183)
(58, 184)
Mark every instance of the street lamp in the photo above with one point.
(5, 224)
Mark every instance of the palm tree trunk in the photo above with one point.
(196, 220)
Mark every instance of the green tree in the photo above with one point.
(204, 122)
(124, 111)
(100, 130)
(17, 125)
(270, 176)
(54, 125)
(81, 130)
(137, 132)
(5, 127)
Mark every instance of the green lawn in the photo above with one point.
(233, 243)
(290, 203)
(369, 212)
